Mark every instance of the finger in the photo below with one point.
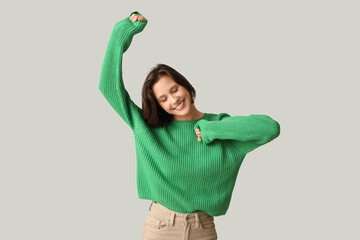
(134, 17)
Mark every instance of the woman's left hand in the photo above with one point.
(134, 17)
(198, 133)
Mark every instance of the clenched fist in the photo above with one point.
(134, 17)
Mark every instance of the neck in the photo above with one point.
(193, 115)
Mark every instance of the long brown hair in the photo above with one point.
(153, 114)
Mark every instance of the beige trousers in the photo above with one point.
(164, 224)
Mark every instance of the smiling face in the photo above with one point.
(173, 98)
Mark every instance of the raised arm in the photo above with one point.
(251, 131)
(111, 80)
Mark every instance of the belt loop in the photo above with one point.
(172, 219)
(197, 220)
(185, 219)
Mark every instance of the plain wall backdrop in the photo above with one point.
(68, 163)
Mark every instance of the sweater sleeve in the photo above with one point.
(111, 80)
(251, 131)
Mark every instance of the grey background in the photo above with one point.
(68, 166)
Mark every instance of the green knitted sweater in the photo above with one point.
(173, 167)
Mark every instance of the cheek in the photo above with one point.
(186, 93)
(164, 106)
(182, 91)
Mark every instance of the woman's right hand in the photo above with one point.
(134, 17)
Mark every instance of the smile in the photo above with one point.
(181, 105)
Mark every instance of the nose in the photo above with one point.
(175, 101)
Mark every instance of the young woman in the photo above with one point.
(187, 160)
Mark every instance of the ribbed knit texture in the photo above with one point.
(173, 168)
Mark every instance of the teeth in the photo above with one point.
(180, 105)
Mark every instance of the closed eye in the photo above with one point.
(165, 98)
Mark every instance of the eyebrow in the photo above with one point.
(170, 89)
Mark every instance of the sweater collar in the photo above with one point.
(186, 123)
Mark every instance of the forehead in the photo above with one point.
(163, 85)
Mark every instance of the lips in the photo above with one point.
(182, 102)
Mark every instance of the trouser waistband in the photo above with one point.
(171, 215)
